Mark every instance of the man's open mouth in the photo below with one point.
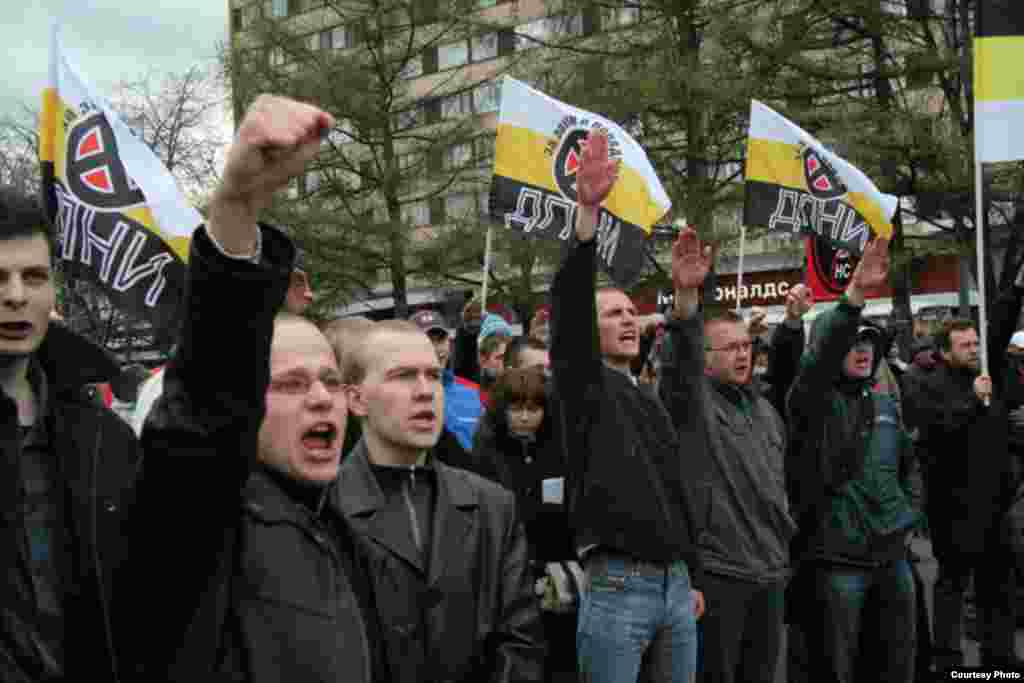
(16, 329)
(320, 437)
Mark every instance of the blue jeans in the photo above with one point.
(865, 624)
(625, 615)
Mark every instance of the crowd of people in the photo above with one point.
(607, 498)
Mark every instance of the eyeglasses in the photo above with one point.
(733, 348)
(300, 385)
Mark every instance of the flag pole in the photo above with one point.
(979, 207)
(487, 272)
(739, 268)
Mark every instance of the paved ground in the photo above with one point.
(929, 571)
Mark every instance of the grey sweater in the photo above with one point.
(748, 526)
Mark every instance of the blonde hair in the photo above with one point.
(345, 334)
(357, 357)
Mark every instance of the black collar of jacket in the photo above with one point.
(359, 496)
(268, 500)
(368, 497)
(735, 393)
(71, 361)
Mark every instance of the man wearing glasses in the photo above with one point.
(744, 549)
(236, 492)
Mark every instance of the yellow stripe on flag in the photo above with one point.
(519, 155)
(998, 74)
(777, 163)
(178, 243)
(48, 121)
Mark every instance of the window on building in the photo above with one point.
(460, 104)
(279, 8)
(458, 155)
(461, 205)
(409, 118)
(343, 37)
(483, 47)
(452, 55)
(618, 17)
(325, 40)
(487, 98)
(413, 67)
(277, 56)
(416, 213)
(312, 181)
(548, 29)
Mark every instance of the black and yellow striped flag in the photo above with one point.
(999, 81)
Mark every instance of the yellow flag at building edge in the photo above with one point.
(121, 220)
(534, 185)
(999, 81)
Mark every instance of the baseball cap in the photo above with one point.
(429, 320)
(1017, 339)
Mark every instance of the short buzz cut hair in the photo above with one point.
(21, 217)
(357, 361)
(944, 338)
(726, 315)
(514, 352)
(345, 334)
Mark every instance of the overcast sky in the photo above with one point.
(110, 40)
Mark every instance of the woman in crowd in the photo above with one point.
(517, 445)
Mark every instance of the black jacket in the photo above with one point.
(471, 615)
(964, 445)
(628, 461)
(99, 454)
(784, 353)
(263, 588)
(522, 467)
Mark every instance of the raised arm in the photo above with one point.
(575, 349)
(821, 365)
(201, 437)
(682, 376)
(787, 345)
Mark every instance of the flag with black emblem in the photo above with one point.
(999, 81)
(794, 184)
(121, 220)
(533, 191)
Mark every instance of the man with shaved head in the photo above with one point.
(236, 496)
(456, 590)
(629, 457)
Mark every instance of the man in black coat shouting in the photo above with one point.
(266, 580)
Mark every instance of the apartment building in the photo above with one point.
(449, 65)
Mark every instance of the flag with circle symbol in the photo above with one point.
(537, 157)
(122, 223)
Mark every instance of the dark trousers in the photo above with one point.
(862, 624)
(741, 630)
(560, 665)
(994, 589)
